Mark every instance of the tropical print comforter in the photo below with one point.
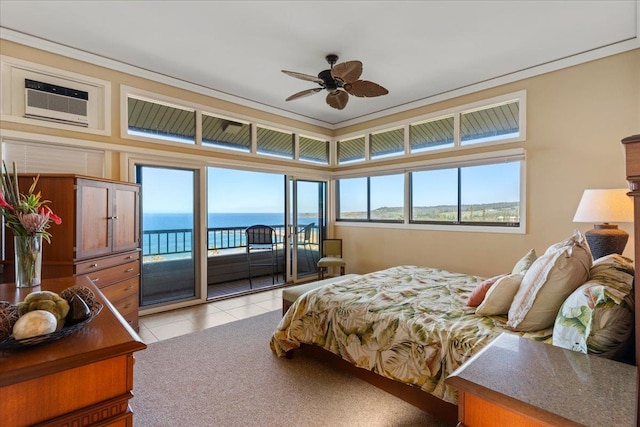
(406, 323)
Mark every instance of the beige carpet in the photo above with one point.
(227, 376)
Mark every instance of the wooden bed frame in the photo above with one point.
(448, 412)
(445, 411)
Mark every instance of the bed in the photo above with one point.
(413, 326)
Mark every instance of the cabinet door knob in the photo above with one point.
(113, 217)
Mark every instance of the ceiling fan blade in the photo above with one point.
(348, 72)
(365, 89)
(338, 99)
(302, 76)
(303, 93)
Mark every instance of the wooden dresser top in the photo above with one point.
(105, 336)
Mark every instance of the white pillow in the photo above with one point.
(548, 282)
(499, 296)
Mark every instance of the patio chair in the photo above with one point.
(262, 250)
(306, 243)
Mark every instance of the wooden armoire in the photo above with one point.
(99, 236)
(632, 154)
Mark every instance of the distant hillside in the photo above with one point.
(488, 212)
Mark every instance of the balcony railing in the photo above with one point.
(180, 241)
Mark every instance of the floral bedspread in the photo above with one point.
(406, 323)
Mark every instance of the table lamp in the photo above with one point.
(601, 208)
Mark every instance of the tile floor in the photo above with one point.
(161, 326)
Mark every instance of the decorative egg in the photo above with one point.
(34, 323)
(78, 310)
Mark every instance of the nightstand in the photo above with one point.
(515, 381)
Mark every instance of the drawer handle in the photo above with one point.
(95, 280)
(129, 257)
(93, 265)
(128, 270)
(113, 217)
(127, 306)
(128, 288)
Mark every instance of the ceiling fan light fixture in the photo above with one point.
(340, 81)
(332, 58)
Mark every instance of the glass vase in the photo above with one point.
(28, 260)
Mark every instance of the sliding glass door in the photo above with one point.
(306, 223)
(194, 239)
(238, 199)
(169, 244)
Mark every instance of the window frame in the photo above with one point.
(351, 139)
(207, 144)
(459, 196)
(368, 204)
(207, 149)
(138, 134)
(519, 96)
(490, 157)
(298, 149)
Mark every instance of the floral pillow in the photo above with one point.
(598, 317)
(525, 262)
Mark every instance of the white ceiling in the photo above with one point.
(421, 51)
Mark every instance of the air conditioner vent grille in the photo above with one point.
(56, 103)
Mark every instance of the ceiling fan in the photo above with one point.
(340, 81)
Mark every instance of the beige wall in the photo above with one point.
(117, 79)
(576, 118)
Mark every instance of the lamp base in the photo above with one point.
(605, 239)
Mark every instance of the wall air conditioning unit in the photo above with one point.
(54, 103)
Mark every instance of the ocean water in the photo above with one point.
(172, 221)
(181, 241)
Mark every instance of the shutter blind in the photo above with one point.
(32, 157)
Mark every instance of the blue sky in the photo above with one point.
(232, 191)
(242, 191)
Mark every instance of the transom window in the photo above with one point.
(275, 143)
(351, 150)
(223, 133)
(313, 150)
(387, 143)
(159, 120)
(490, 124)
(431, 135)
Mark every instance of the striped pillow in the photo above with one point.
(548, 282)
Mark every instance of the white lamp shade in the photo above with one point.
(605, 206)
